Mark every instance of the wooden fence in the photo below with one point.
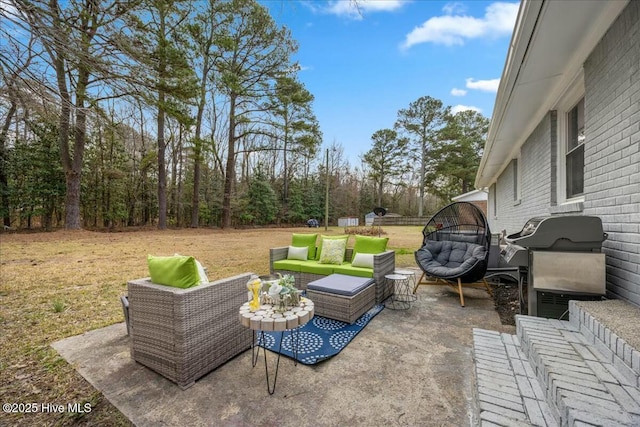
(401, 220)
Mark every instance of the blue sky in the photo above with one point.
(363, 65)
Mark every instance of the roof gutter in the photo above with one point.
(550, 42)
(526, 22)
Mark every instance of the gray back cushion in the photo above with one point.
(449, 259)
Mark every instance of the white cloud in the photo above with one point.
(356, 9)
(453, 28)
(454, 8)
(458, 92)
(483, 85)
(458, 108)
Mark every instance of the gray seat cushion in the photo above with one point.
(448, 259)
(340, 284)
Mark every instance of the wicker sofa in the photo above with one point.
(307, 271)
(183, 334)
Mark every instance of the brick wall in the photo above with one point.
(612, 157)
(535, 171)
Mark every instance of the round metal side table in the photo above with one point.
(411, 277)
(401, 298)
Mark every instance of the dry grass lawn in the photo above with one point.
(60, 284)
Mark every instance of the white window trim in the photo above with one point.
(567, 101)
(494, 202)
(518, 179)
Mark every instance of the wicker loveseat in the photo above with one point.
(307, 271)
(183, 334)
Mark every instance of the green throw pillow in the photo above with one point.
(333, 251)
(370, 245)
(301, 240)
(323, 237)
(177, 271)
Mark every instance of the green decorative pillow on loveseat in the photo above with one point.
(370, 245)
(300, 240)
(323, 238)
(332, 251)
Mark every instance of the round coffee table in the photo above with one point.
(268, 319)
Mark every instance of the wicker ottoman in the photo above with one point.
(342, 297)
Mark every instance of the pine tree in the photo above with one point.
(164, 77)
(422, 122)
(456, 156)
(254, 52)
(386, 159)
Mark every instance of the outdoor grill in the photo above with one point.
(559, 259)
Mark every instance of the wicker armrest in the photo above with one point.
(383, 264)
(277, 254)
(184, 334)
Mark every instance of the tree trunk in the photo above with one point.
(172, 211)
(4, 182)
(162, 145)
(230, 168)
(197, 145)
(72, 165)
(285, 169)
(72, 183)
(423, 172)
(195, 201)
(74, 178)
(47, 216)
(72, 200)
(162, 170)
(177, 189)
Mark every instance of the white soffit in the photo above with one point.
(472, 196)
(552, 40)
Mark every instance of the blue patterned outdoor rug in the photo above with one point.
(319, 339)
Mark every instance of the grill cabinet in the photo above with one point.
(559, 258)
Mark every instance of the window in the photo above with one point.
(568, 164)
(575, 151)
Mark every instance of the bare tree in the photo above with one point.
(16, 61)
(76, 40)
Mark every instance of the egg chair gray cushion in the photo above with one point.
(452, 260)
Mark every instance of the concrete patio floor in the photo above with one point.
(406, 368)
